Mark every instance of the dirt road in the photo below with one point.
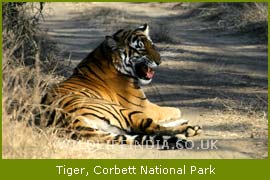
(219, 80)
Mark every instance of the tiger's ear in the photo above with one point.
(116, 36)
(144, 28)
(111, 43)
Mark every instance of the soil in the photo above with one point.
(218, 79)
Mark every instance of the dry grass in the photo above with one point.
(234, 17)
(27, 54)
(23, 87)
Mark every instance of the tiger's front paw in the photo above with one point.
(187, 130)
(193, 131)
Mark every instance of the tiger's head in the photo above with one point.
(137, 55)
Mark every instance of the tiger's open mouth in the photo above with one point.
(144, 70)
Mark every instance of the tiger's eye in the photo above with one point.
(141, 44)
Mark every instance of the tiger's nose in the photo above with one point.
(158, 62)
(156, 55)
(157, 59)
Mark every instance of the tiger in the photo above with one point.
(103, 101)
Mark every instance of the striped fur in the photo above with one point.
(103, 101)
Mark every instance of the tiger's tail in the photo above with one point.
(161, 141)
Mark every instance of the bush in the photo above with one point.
(235, 17)
(23, 38)
(27, 52)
